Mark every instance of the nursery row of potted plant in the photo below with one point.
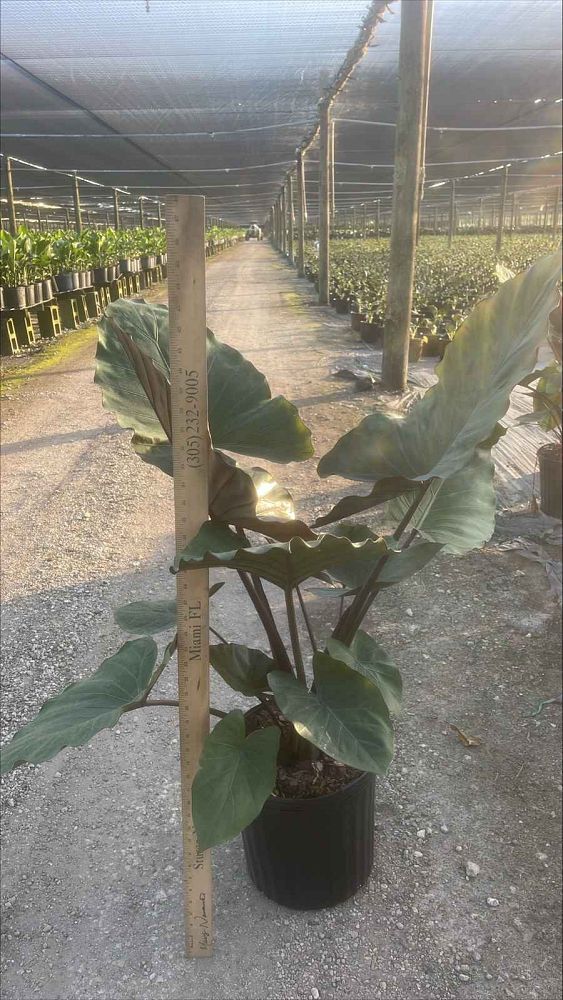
(34, 266)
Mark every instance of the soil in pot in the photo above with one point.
(311, 847)
(550, 458)
(15, 297)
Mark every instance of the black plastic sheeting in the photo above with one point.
(83, 73)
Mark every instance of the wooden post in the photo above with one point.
(185, 226)
(406, 193)
(12, 220)
(39, 220)
(364, 220)
(451, 216)
(332, 169)
(283, 205)
(67, 218)
(435, 221)
(427, 59)
(76, 200)
(116, 219)
(141, 213)
(300, 214)
(377, 219)
(555, 220)
(502, 208)
(290, 219)
(512, 212)
(480, 217)
(159, 213)
(324, 203)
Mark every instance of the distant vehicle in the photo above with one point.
(253, 232)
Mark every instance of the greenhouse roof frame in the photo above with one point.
(183, 93)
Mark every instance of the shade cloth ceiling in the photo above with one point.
(161, 96)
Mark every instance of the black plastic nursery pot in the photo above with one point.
(14, 297)
(38, 286)
(64, 282)
(416, 345)
(47, 284)
(30, 295)
(550, 465)
(309, 854)
(100, 275)
(356, 320)
(372, 333)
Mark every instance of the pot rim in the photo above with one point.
(344, 792)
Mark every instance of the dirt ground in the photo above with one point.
(92, 891)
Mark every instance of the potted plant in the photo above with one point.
(67, 252)
(13, 276)
(296, 772)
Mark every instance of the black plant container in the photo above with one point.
(64, 281)
(551, 493)
(372, 333)
(14, 297)
(100, 275)
(309, 854)
(356, 320)
(30, 295)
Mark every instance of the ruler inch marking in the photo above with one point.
(185, 230)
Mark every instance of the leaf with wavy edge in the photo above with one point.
(370, 659)
(284, 564)
(493, 349)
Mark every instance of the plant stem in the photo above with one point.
(305, 614)
(294, 633)
(171, 702)
(352, 618)
(264, 612)
(218, 636)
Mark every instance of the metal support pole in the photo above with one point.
(290, 251)
(364, 220)
(435, 221)
(67, 218)
(451, 217)
(377, 219)
(406, 193)
(12, 220)
(502, 208)
(39, 220)
(512, 211)
(480, 218)
(116, 219)
(159, 213)
(141, 213)
(76, 199)
(324, 203)
(300, 214)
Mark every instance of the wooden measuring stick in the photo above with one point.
(185, 230)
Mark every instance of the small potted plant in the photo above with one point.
(13, 277)
(296, 772)
(66, 255)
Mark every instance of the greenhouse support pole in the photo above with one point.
(502, 208)
(39, 220)
(12, 220)
(451, 217)
(435, 222)
(67, 218)
(141, 213)
(159, 214)
(377, 219)
(427, 56)
(76, 199)
(555, 222)
(283, 221)
(290, 234)
(332, 169)
(116, 219)
(364, 220)
(512, 212)
(406, 193)
(300, 215)
(324, 203)
(480, 218)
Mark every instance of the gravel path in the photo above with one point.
(91, 866)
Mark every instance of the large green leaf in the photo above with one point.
(404, 563)
(462, 515)
(493, 349)
(243, 417)
(150, 617)
(399, 564)
(346, 716)
(73, 717)
(236, 775)
(385, 489)
(244, 669)
(284, 564)
(369, 658)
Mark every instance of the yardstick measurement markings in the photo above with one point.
(185, 231)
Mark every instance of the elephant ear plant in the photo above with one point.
(329, 719)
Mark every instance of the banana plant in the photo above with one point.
(433, 470)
